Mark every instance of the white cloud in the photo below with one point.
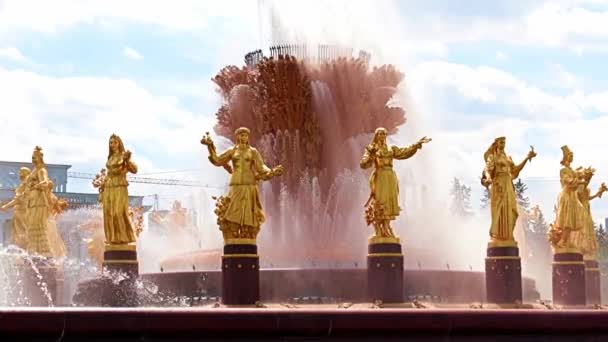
(554, 24)
(544, 119)
(73, 117)
(501, 56)
(13, 54)
(563, 79)
(132, 53)
(491, 85)
(427, 28)
(62, 14)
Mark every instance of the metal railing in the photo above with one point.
(322, 53)
(147, 180)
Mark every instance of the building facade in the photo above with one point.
(58, 173)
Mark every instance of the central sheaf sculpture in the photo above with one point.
(503, 264)
(385, 258)
(240, 216)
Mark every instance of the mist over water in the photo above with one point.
(321, 221)
(434, 236)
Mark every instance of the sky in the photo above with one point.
(74, 72)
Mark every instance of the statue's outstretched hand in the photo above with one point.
(206, 140)
(423, 140)
(603, 188)
(532, 153)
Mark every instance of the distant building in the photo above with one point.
(58, 173)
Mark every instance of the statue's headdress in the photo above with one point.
(38, 153)
(565, 153)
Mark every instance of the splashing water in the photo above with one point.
(19, 275)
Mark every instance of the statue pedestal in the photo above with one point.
(592, 282)
(116, 285)
(568, 278)
(503, 275)
(240, 273)
(121, 258)
(385, 270)
(120, 261)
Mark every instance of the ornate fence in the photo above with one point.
(322, 53)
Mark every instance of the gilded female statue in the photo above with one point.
(570, 218)
(240, 213)
(383, 203)
(39, 208)
(498, 176)
(19, 205)
(117, 225)
(587, 239)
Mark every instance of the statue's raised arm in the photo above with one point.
(221, 160)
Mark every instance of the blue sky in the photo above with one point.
(73, 72)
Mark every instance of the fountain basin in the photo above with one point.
(275, 323)
(336, 284)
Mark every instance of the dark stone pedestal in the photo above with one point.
(385, 272)
(592, 282)
(503, 275)
(116, 285)
(568, 278)
(240, 274)
(121, 260)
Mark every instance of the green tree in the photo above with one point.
(520, 195)
(538, 225)
(485, 198)
(602, 242)
(461, 199)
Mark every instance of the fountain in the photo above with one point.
(308, 110)
(312, 110)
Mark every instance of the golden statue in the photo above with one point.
(240, 213)
(587, 239)
(19, 205)
(570, 220)
(95, 240)
(137, 218)
(98, 181)
(38, 210)
(114, 196)
(383, 205)
(497, 177)
(176, 218)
